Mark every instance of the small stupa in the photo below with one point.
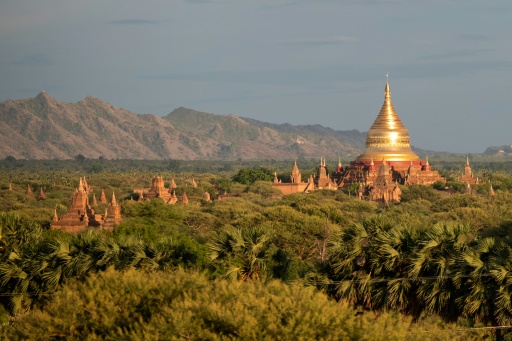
(103, 197)
(184, 199)
(41, 195)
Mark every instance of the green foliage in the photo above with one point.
(135, 305)
(439, 185)
(243, 250)
(249, 176)
(224, 185)
(444, 269)
(415, 192)
(355, 250)
(34, 263)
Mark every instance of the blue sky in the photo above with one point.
(293, 61)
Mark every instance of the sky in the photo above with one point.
(280, 61)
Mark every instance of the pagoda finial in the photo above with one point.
(339, 161)
(467, 160)
(80, 185)
(114, 202)
(427, 160)
(387, 91)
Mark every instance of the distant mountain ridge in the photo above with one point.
(499, 150)
(45, 128)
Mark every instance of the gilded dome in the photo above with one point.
(388, 138)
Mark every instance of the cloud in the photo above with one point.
(324, 77)
(453, 54)
(474, 37)
(134, 22)
(323, 41)
(35, 59)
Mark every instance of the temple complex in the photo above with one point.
(80, 215)
(159, 191)
(295, 186)
(388, 142)
(388, 161)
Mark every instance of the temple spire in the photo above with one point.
(387, 90)
(114, 202)
(103, 197)
(41, 195)
(491, 191)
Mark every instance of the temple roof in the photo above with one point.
(387, 137)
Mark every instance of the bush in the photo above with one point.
(133, 305)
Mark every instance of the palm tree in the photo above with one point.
(489, 285)
(362, 259)
(243, 251)
(438, 269)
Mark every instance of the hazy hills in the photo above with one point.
(45, 128)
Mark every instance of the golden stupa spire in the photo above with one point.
(387, 90)
(387, 137)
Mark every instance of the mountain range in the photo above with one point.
(45, 128)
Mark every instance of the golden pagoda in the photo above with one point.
(387, 139)
(388, 161)
(388, 142)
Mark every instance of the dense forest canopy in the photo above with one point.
(323, 265)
